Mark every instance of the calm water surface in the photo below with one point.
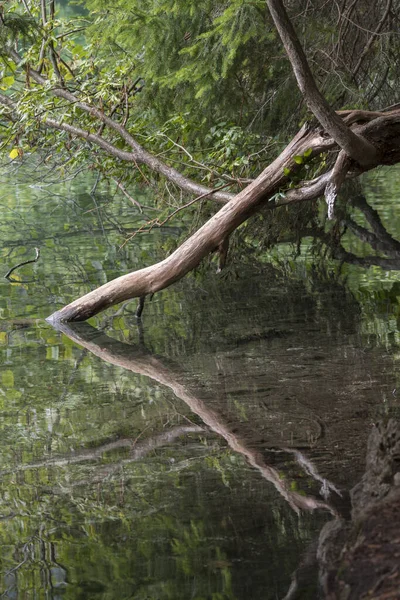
(196, 456)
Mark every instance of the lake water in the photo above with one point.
(199, 454)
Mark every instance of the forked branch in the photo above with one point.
(358, 148)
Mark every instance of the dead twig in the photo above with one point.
(123, 190)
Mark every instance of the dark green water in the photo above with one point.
(160, 463)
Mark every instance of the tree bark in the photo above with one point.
(364, 140)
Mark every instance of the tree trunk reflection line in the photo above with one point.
(140, 362)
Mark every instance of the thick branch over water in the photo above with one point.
(383, 132)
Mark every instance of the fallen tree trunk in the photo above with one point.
(271, 188)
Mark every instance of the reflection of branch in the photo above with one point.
(72, 375)
(379, 239)
(137, 450)
(139, 361)
(373, 218)
(389, 264)
(311, 470)
(370, 238)
(26, 262)
(363, 234)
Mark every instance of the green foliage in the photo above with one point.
(204, 85)
(16, 27)
(204, 55)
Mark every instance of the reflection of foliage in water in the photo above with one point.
(153, 531)
(376, 289)
(189, 516)
(367, 254)
(151, 528)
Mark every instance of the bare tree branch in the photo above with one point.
(358, 148)
(123, 190)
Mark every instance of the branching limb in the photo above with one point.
(127, 92)
(385, 133)
(358, 148)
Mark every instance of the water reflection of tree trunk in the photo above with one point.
(138, 360)
(372, 217)
(358, 557)
(378, 238)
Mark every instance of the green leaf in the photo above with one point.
(7, 82)
(286, 171)
(298, 159)
(7, 378)
(307, 153)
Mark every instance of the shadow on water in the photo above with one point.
(195, 457)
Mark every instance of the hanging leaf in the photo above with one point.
(298, 159)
